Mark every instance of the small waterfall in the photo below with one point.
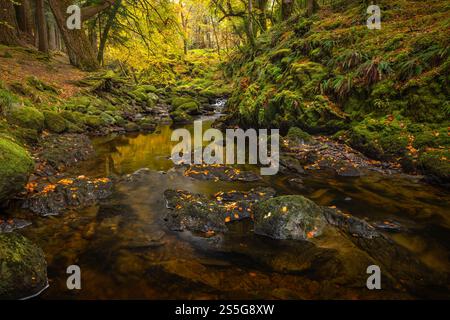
(219, 105)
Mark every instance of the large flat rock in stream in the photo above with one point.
(200, 213)
(220, 173)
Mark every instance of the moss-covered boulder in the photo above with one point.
(55, 122)
(297, 135)
(26, 117)
(191, 108)
(147, 124)
(436, 164)
(131, 127)
(179, 101)
(94, 122)
(23, 269)
(180, 116)
(7, 99)
(15, 166)
(289, 217)
(107, 119)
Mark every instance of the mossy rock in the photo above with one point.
(146, 88)
(190, 108)
(91, 110)
(25, 136)
(179, 101)
(93, 122)
(74, 117)
(40, 85)
(15, 167)
(55, 122)
(26, 117)
(436, 163)
(280, 54)
(7, 100)
(215, 92)
(22, 89)
(180, 116)
(289, 218)
(297, 135)
(384, 138)
(23, 270)
(147, 124)
(131, 127)
(73, 128)
(107, 119)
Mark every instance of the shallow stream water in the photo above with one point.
(110, 242)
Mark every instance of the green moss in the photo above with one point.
(26, 117)
(297, 135)
(93, 122)
(23, 271)
(15, 166)
(147, 124)
(289, 217)
(190, 108)
(280, 54)
(40, 85)
(7, 100)
(54, 122)
(107, 119)
(179, 116)
(131, 127)
(437, 164)
(179, 101)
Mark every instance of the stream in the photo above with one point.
(126, 251)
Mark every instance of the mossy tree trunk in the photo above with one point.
(81, 53)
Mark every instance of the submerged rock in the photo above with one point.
(12, 224)
(54, 199)
(23, 271)
(220, 172)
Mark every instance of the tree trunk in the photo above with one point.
(287, 8)
(184, 25)
(77, 43)
(24, 15)
(311, 7)
(9, 30)
(42, 26)
(109, 24)
(92, 33)
(52, 45)
(262, 15)
(250, 30)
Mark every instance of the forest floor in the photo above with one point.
(18, 64)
